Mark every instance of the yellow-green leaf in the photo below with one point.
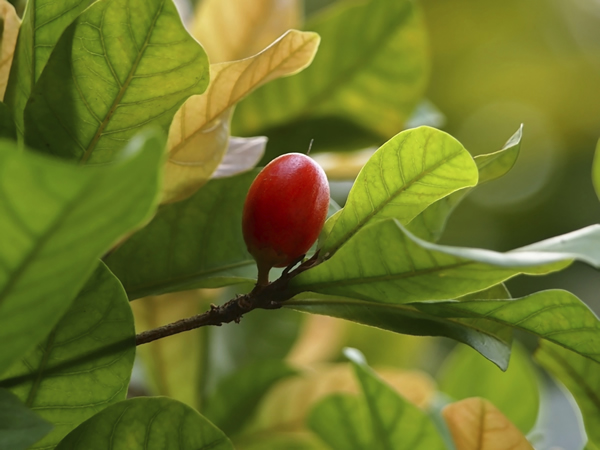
(199, 133)
(235, 29)
(8, 41)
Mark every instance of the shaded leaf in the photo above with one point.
(476, 424)
(149, 423)
(85, 363)
(42, 26)
(296, 440)
(514, 392)
(19, 426)
(7, 123)
(199, 133)
(581, 376)
(411, 171)
(596, 170)
(190, 244)
(121, 65)
(58, 219)
(234, 29)
(237, 395)
(242, 155)
(10, 30)
(396, 424)
(371, 70)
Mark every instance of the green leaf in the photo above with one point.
(19, 426)
(194, 243)
(514, 392)
(7, 123)
(85, 363)
(396, 424)
(237, 395)
(43, 24)
(342, 421)
(371, 70)
(596, 170)
(58, 219)
(581, 376)
(384, 263)
(121, 65)
(146, 423)
(410, 172)
(555, 315)
(489, 339)
(430, 224)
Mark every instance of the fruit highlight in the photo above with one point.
(284, 212)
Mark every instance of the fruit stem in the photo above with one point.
(263, 274)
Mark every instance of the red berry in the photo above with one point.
(284, 212)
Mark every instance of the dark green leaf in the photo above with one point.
(581, 376)
(410, 172)
(150, 423)
(121, 65)
(19, 426)
(57, 220)
(514, 392)
(237, 395)
(396, 423)
(43, 23)
(371, 69)
(7, 123)
(85, 363)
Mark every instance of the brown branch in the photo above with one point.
(270, 296)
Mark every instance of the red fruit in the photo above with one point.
(284, 212)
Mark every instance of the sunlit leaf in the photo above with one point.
(234, 29)
(430, 224)
(476, 424)
(19, 426)
(410, 172)
(43, 24)
(237, 395)
(396, 424)
(8, 41)
(57, 220)
(514, 392)
(242, 155)
(122, 64)
(150, 423)
(371, 71)
(199, 133)
(581, 376)
(85, 363)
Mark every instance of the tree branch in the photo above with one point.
(270, 296)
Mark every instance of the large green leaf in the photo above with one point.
(19, 426)
(582, 377)
(190, 244)
(396, 424)
(515, 392)
(121, 65)
(43, 23)
(430, 224)
(85, 363)
(237, 395)
(150, 423)
(386, 264)
(410, 172)
(57, 220)
(370, 71)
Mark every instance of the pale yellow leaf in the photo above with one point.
(199, 133)
(321, 339)
(235, 29)
(10, 30)
(476, 424)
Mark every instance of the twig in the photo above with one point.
(270, 296)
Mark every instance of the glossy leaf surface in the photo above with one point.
(122, 65)
(242, 155)
(58, 219)
(85, 363)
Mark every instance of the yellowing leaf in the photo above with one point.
(321, 340)
(476, 424)
(234, 29)
(199, 133)
(10, 30)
